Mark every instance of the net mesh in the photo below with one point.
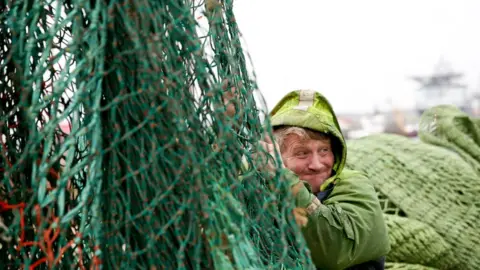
(125, 126)
(117, 149)
(406, 266)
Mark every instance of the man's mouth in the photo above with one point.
(310, 176)
(315, 174)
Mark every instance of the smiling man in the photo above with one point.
(345, 228)
(307, 153)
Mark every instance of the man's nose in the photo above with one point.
(315, 163)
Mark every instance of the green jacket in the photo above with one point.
(348, 228)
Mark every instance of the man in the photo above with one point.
(345, 228)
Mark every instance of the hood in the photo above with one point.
(310, 109)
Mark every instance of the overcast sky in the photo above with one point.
(358, 53)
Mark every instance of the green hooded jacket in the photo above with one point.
(347, 228)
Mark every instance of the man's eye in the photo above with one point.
(301, 153)
(324, 150)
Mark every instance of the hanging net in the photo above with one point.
(117, 147)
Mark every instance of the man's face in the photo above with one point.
(312, 160)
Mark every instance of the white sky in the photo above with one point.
(358, 53)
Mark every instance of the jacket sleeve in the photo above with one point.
(348, 228)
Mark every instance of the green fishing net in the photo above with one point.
(117, 150)
(429, 189)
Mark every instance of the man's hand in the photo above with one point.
(273, 150)
(300, 216)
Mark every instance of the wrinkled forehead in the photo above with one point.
(294, 140)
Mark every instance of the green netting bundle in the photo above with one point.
(406, 266)
(415, 242)
(117, 149)
(422, 181)
(448, 127)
